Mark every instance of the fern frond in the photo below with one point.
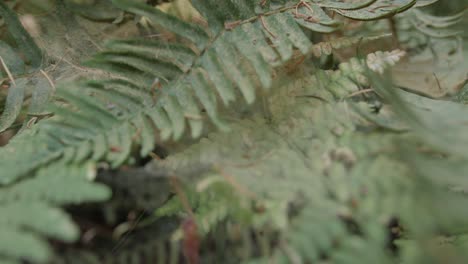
(325, 187)
(124, 106)
(12, 66)
(35, 199)
(228, 60)
(418, 29)
(95, 113)
(24, 41)
(24, 246)
(437, 27)
(211, 205)
(311, 155)
(351, 78)
(341, 189)
(378, 9)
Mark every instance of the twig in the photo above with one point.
(307, 18)
(31, 122)
(181, 194)
(360, 92)
(10, 76)
(239, 187)
(437, 80)
(74, 65)
(124, 238)
(303, 3)
(266, 28)
(49, 80)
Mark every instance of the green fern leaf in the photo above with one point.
(378, 9)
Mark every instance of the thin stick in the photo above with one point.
(10, 76)
(75, 66)
(49, 80)
(58, 62)
(360, 92)
(31, 122)
(124, 238)
(181, 194)
(266, 28)
(437, 80)
(239, 187)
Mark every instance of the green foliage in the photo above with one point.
(350, 183)
(30, 212)
(12, 64)
(314, 171)
(220, 53)
(24, 41)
